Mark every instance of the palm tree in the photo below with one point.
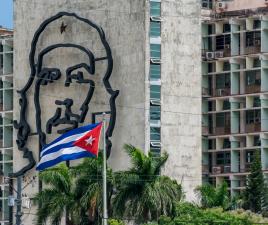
(57, 197)
(214, 196)
(88, 189)
(76, 190)
(141, 193)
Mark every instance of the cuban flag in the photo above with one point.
(75, 144)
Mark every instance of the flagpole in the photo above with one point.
(104, 184)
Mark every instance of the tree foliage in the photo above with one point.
(211, 196)
(189, 214)
(141, 193)
(255, 187)
(56, 197)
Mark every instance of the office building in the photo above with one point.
(234, 89)
(6, 118)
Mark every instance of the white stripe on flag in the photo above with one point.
(65, 140)
(64, 151)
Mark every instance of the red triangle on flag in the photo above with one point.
(90, 141)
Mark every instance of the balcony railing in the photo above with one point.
(252, 89)
(253, 50)
(221, 92)
(253, 127)
(221, 130)
(221, 169)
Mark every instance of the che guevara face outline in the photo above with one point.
(41, 77)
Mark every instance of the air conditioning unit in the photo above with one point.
(210, 55)
(221, 6)
(216, 170)
(218, 55)
(156, 144)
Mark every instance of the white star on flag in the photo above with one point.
(90, 140)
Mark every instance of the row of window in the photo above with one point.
(226, 144)
(155, 76)
(224, 158)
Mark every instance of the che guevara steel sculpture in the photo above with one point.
(41, 76)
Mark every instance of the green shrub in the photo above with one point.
(115, 222)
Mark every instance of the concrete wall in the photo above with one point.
(243, 4)
(124, 24)
(181, 92)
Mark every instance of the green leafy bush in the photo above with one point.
(115, 222)
(189, 214)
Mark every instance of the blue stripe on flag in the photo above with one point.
(78, 130)
(62, 158)
(58, 147)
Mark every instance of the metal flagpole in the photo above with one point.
(104, 175)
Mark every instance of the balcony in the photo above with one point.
(254, 127)
(221, 92)
(245, 168)
(252, 50)
(221, 169)
(254, 88)
(221, 130)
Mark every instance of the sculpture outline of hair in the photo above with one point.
(23, 127)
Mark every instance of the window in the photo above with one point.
(226, 143)
(257, 141)
(249, 156)
(155, 134)
(226, 66)
(211, 144)
(155, 9)
(253, 38)
(155, 72)
(226, 28)
(155, 112)
(257, 24)
(223, 42)
(155, 151)
(155, 29)
(256, 63)
(253, 116)
(211, 67)
(253, 78)
(155, 51)
(256, 102)
(223, 81)
(220, 120)
(211, 29)
(223, 158)
(226, 105)
(155, 92)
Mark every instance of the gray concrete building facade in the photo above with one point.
(156, 50)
